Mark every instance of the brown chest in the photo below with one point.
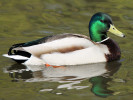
(114, 50)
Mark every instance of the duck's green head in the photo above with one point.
(99, 25)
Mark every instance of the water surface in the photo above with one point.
(22, 21)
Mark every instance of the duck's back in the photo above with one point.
(62, 43)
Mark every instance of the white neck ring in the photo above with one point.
(103, 40)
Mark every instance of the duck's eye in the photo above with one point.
(102, 21)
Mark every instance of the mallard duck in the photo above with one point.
(71, 49)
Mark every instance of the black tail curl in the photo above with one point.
(18, 52)
(14, 46)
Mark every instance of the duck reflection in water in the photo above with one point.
(98, 75)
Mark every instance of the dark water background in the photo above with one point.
(26, 20)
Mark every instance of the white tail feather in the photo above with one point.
(16, 57)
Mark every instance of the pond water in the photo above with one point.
(25, 20)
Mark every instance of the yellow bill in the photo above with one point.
(113, 30)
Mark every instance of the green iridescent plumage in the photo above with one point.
(99, 87)
(98, 26)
